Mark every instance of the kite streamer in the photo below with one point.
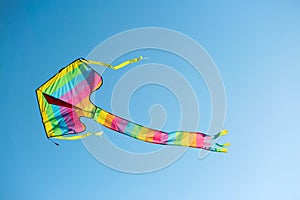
(66, 97)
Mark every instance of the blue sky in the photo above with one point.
(256, 48)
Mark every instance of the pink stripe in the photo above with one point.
(164, 138)
(200, 140)
(79, 127)
(119, 124)
(160, 137)
(74, 96)
(72, 120)
(78, 97)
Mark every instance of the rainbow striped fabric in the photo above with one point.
(178, 138)
(66, 97)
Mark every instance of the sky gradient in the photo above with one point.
(256, 46)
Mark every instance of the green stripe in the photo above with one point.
(136, 131)
(61, 81)
(179, 136)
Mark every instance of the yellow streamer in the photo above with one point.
(123, 64)
(77, 137)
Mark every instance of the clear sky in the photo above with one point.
(256, 47)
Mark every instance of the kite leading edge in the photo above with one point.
(66, 97)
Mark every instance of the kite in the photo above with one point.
(65, 98)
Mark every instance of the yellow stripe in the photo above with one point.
(142, 133)
(193, 139)
(135, 131)
(101, 117)
(149, 135)
(45, 119)
(185, 140)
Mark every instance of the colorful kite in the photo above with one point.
(66, 97)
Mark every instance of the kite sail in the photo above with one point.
(66, 97)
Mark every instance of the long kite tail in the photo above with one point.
(178, 138)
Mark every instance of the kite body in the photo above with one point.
(66, 97)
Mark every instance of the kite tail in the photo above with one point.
(178, 138)
(220, 134)
(216, 147)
